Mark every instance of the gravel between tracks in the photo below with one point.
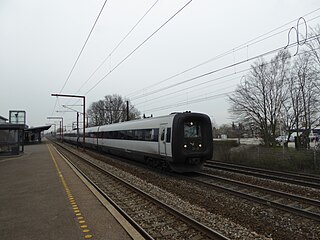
(232, 216)
(284, 187)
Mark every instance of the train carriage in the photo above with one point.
(182, 141)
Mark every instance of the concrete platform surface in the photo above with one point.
(42, 198)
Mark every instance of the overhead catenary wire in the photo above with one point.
(186, 102)
(197, 85)
(80, 53)
(240, 47)
(84, 45)
(206, 98)
(118, 45)
(186, 94)
(215, 71)
(218, 70)
(140, 45)
(230, 51)
(209, 81)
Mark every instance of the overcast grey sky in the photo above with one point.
(41, 39)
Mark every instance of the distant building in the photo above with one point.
(33, 135)
(15, 133)
(11, 138)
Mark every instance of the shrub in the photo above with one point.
(278, 158)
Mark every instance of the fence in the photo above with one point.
(278, 158)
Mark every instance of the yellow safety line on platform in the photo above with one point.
(72, 201)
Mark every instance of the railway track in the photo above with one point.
(305, 207)
(306, 180)
(152, 218)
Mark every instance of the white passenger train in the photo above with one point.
(181, 141)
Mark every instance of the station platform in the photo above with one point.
(42, 197)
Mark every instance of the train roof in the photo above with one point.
(138, 123)
(150, 122)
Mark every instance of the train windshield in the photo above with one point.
(192, 129)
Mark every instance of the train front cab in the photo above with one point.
(192, 142)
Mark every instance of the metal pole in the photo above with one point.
(77, 129)
(314, 156)
(62, 129)
(84, 122)
(127, 110)
(84, 109)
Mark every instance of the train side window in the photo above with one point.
(140, 134)
(106, 135)
(111, 134)
(168, 138)
(155, 134)
(129, 135)
(162, 134)
(148, 134)
(117, 134)
(123, 134)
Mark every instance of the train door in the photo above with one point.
(162, 139)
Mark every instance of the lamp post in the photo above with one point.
(84, 109)
(61, 125)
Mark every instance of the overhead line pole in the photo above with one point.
(127, 110)
(61, 126)
(84, 116)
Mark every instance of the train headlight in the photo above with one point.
(200, 145)
(185, 146)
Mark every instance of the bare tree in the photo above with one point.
(112, 109)
(306, 86)
(314, 45)
(96, 113)
(292, 108)
(260, 97)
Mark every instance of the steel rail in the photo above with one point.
(261, 200)
(123, 213)
(194, 223)
(298, 179)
